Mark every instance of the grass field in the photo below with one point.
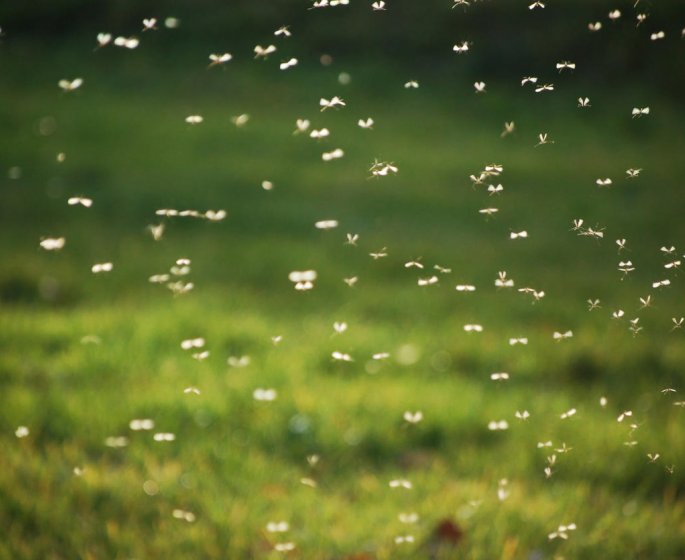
(82, 354)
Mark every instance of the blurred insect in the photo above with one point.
(378, 6)
(502, 281)
(264, 395)
(543, 139)
(301, 125)
(103, 39)
(400, 483)
(498, 425)
(618, 314)
(502, 376)
(492, 189)
(640, 18)
(537, 295)
(640, 112)
(461, 48)
(408, 518)
(645, 302)
(668, 250)
(283, 31)
(53, 243)
(544, 87)
(508, 129)
(515, 341)
(303, 279)
(657, 36)
(568, 414)
(442, 269)
(70, 85)
(562, 532)
(590, 232)
(672, 265)
(473, 328)
(326, 224)
(536, 4)
(529, 79)
(411, 84)
(593, 304)
(577, 224)
(416, 263)
(522, 415)
(191, 343)
(149, 24)
(331, 103)
(320, 133)
(653, 457)
(518, 235)
(596, 26)
(164, 436)
(413, 417)
(194, 119)
(366, 124)
(333, 154)
(431, 281)
(625, 414)
(238, 361)
(621, 243)
(677, 323)
(351, 281)
(465, 288)
(127, 42)
(584, 102)
(157, 231)
(661, 283)
(633, 173)
(488, 211)
(380, 356)
(339, 327)
(102, 267)
(626, 266)
(479, 86)
(288, 64)
(80, 200)
(240, 120)
(614, 14)
(218, 59)
(604, 182)
(558, 336)
(561, 66)
(352, 239)
(264, 52)
(379, 254)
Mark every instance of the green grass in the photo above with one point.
(237, 463)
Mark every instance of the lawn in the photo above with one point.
(83, 354)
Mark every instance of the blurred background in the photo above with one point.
(82, 354)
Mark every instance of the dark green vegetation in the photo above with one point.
(237, 463)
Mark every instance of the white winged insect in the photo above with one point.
(411, 84)
(594, 26)
(508, 129)
(194, 119)
(301, 126)
(378, 6)
(332, 103)
(303, 279)
(317, 134)
(584, 102)
(502, 281)
(479, 87)
(264, 52)
(561, 66)
(544, 87)
(640, 112)
(461, 48)
(80, 200)
(127, 42)
(103, 39)
(218, 59)
(473, 328)
(288, 63)
(430, 281)
(101, 267)
(518, 235)
(326, 224)
(657, 36)
(559, 336)
(283, 31)
(606, 182)
(632, 173)
(70, 85)
(495, 189)
(365, 123)
(543, 138)
(337, 153)
(529, 80)
(53, 243)
(149, 24)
